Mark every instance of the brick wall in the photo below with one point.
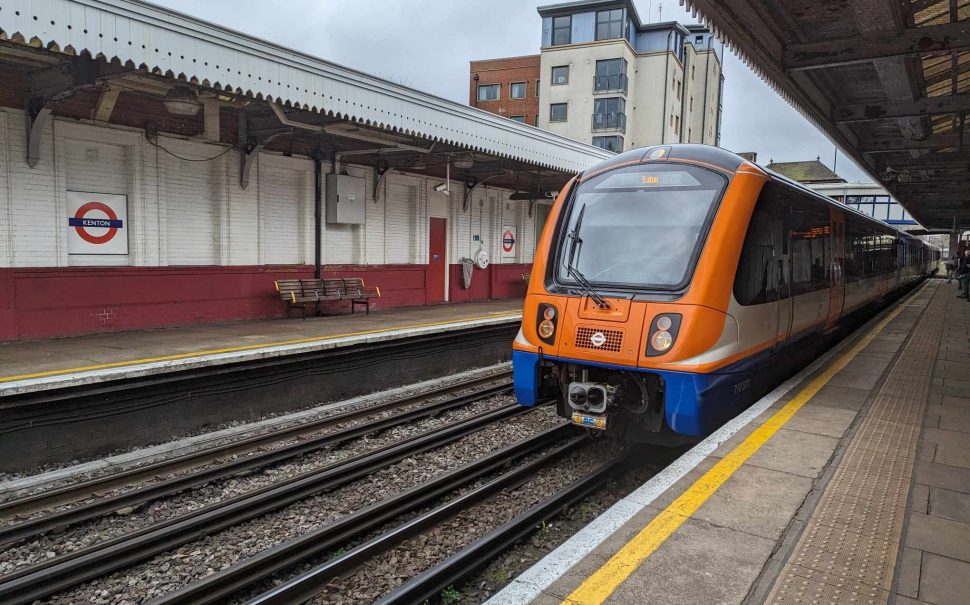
(504, 72)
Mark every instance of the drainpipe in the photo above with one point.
(707, 73)
(663, 109)
(317, 212)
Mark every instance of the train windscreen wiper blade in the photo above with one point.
(576, 243)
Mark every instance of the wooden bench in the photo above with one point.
(304, 292)
(295, 294)
(357, 293)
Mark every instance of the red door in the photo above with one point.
(436, 262)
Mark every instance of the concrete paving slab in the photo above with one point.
(944, 437)
(953, 456)
(856, 380)
(961, 425)
(845, 397)
(909, 572)
(944, 581)
(700, 563)
(949, 504)
(756, 501)
(794, 452)
(821, 420)
(940, 536)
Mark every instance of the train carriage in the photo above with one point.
(675, 285)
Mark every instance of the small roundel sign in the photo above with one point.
(508, 242)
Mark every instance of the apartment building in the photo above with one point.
(508, 87)
(606, 78)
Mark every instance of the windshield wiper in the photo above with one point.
(576, 243)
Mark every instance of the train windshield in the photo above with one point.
(638, 227)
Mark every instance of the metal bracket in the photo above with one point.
(475, 185)
(38, 115)
(252, 146)
(381, 170)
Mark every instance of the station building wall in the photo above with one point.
(202, 249)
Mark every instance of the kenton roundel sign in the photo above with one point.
(97, 223)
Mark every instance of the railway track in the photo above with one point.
(218, 467)
(63, 572)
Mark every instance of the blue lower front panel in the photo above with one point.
(694, 404)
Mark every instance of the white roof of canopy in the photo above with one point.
(183, 47)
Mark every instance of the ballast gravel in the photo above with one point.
(173, 569)
(129, 519)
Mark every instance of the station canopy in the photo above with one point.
(887, 80)
(136, 64)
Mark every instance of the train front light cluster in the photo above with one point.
(663, 333)
(547, 319)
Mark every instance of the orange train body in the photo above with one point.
(679, 283)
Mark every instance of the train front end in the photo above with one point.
(625, 322)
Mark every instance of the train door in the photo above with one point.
(836, 273)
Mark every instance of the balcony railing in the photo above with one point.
(611, 83)
(609, 121)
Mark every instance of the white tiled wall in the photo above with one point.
(190, 209)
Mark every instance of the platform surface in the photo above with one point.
(850, 485)
(54, 362)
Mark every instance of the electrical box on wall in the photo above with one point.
(345, 199)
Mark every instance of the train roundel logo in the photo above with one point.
(81, 222)
(598, 339)
(508, 240)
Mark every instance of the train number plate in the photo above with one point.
(588, 420)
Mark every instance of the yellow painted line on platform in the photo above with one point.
(311, 339)
(605, 580)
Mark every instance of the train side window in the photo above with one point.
(811, 234)
(762, 274)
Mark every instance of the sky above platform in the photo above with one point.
(427, 44)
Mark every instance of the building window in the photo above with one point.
(560, 74)
(557, 112)
(562, 30)
(537, 88)
(679, 90)
(698, 39)
(489, 92)
(691, 103)
(690, 133)
(517, 119)
(608, 114)
(609, 24)
(612, 143)
(677, 123)
(517, 90)
(692, 69)
(610, 75)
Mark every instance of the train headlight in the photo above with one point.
(546, 329)
(663, 333)
(661, 341)
(547, 318)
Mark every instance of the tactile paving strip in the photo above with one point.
(847, 552)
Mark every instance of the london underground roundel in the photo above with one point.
(97, 223)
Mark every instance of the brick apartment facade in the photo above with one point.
(504, 73)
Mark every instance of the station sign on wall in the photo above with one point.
(508, 242)
(97, 223)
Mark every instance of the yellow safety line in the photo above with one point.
(605, 580)
(131, 362)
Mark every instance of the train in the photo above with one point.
(674, 285)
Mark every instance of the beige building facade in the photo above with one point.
(607, 79)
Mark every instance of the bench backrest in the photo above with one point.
(353, 285)
(289, 288)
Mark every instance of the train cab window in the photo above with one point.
(638, 227)
(762, 274)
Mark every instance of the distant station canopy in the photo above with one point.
(886, 80)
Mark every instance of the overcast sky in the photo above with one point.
(427, 44)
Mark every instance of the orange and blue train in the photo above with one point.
(675, 285)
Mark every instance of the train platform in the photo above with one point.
(33, 366)
(849, 483)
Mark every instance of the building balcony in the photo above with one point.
(609, 122)
(613, 83)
